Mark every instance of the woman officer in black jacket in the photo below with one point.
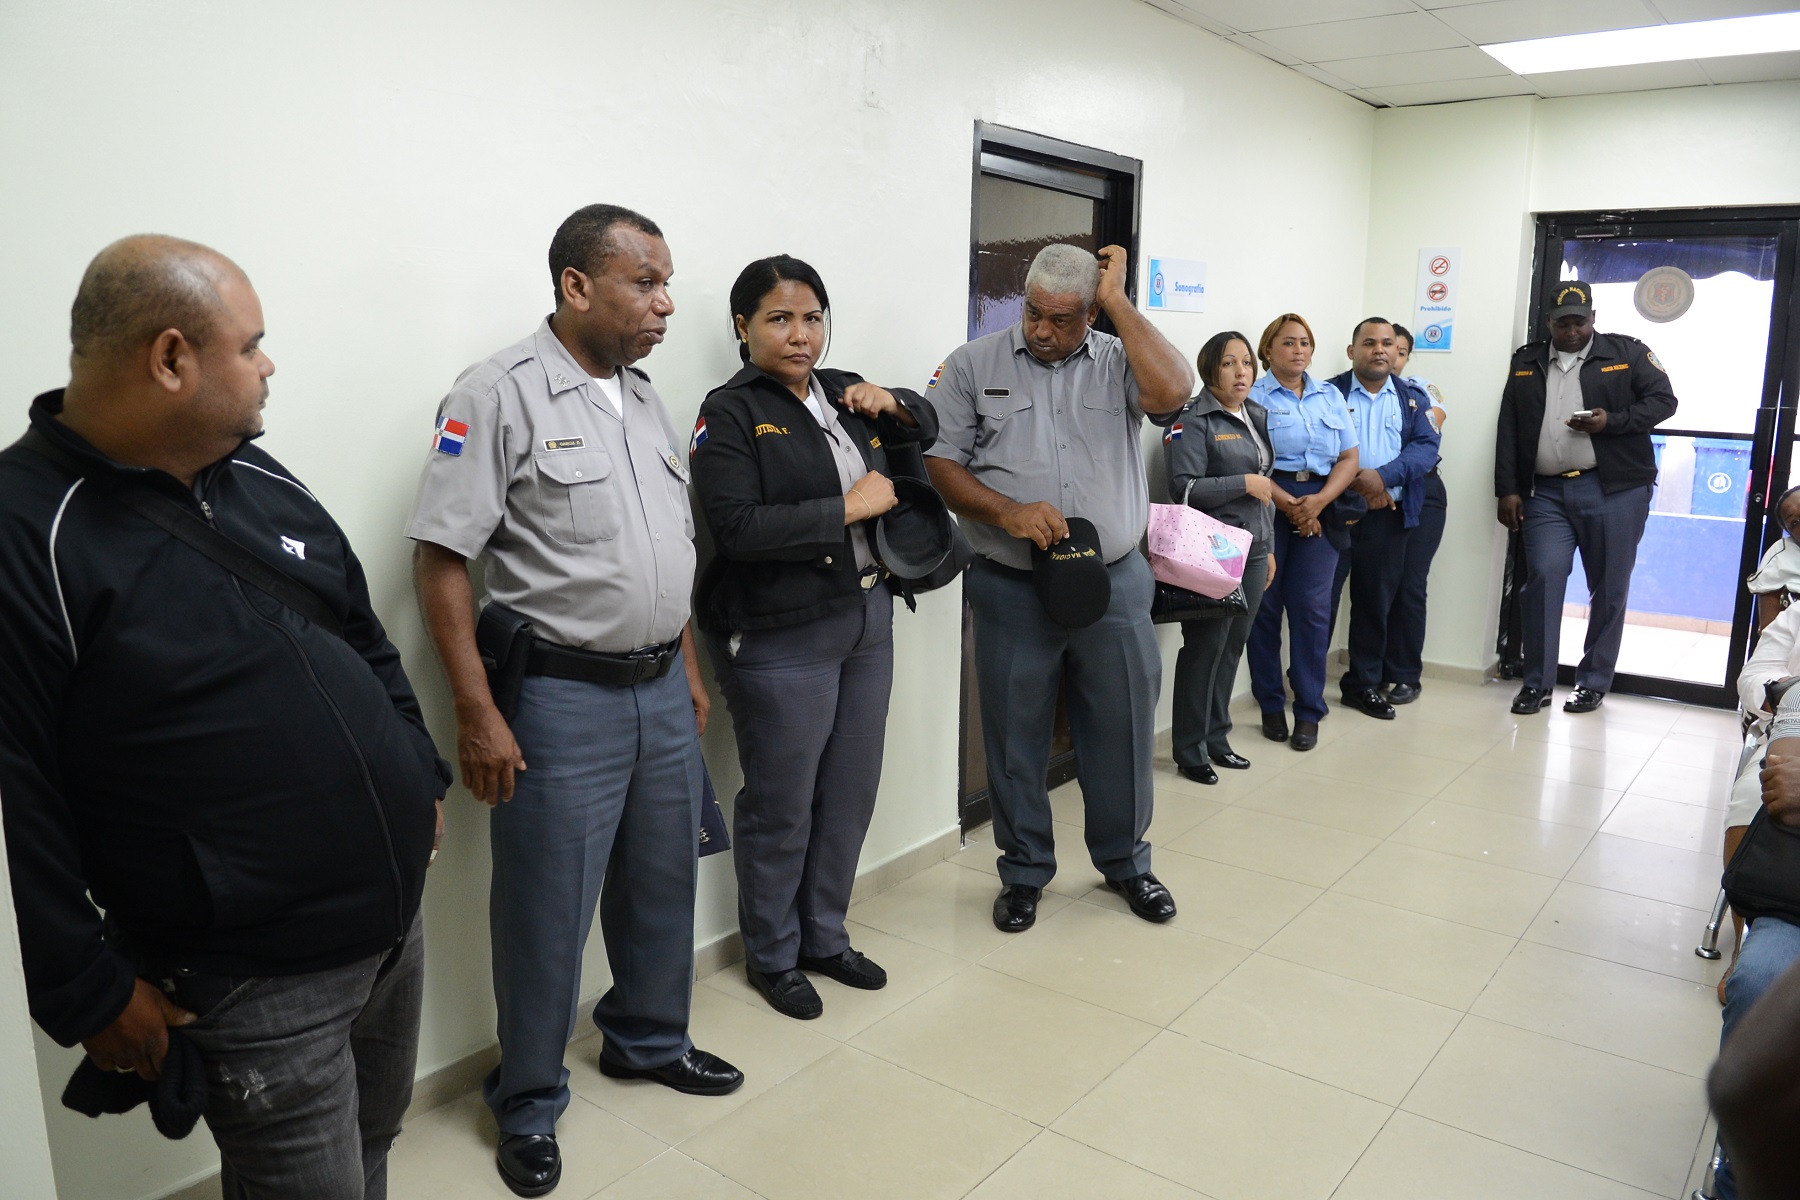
(788, 464)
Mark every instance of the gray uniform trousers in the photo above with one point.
(809, 704)
(1206, 670)
(1561, 517)
(1113, 671)
(608, 811)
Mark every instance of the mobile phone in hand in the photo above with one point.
(1583, 415)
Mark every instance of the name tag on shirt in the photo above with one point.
(569, 443)
(996, 391)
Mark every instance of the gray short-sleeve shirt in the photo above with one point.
(582, 514)
(1065, 433)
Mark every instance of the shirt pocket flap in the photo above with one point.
(1282, 420)
(676, 467)
(575, 466)
(999, 403)
(1335, 417)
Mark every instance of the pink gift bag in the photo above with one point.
(1194, 551)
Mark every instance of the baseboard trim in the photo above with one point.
(1436, 670)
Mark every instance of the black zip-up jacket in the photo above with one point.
(1621, 376)
(241, 791)
(769, 489)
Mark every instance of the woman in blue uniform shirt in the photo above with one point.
(1314, 444)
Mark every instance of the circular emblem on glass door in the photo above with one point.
(1664, 294)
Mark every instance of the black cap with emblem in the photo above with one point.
(1071, 579)
(913, 537)
(1570, 297)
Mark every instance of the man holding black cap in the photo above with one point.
(1038, 439)
(1573, 468)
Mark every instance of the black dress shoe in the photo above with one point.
(1306, 735)
(1231, 762)
(1404, 693)
(1015, 908)
(1146, 896)
(788, 992)
(697, 1073)
(1275, 726)
(852, 968)
(1203, 773)
(1370, 703)
(1583, 700)
(1530, 700)
(529, 1163)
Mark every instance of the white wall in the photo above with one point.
(390, 175)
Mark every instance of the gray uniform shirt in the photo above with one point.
(850, 468)
(1560, 448)
(1065, 433)
(582, 514)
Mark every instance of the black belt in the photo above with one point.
(1570, 474)
(1300, 476)
(591, 666)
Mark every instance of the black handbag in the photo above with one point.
(1763, 877)
(1171, 604)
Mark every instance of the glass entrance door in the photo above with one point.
(1712, 299)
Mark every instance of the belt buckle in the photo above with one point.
(871, 576)
(1303, 476)
(1571, 474)
(644, 664)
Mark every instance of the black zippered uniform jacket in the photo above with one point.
(768, 487)
(1621, 376)
(241, 791)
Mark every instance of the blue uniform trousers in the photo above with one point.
(1376, 563)
(1405, 659)
(1113, 670)
(607, 812)
(1304, 567)
(1561, 517)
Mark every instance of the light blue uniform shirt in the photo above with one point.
(1379, 424)
(1309, 431)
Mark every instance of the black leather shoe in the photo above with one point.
(1275, 726)
(697, 1073)
(1015, 908)
(1583, 700)
(852, 968)
(1145, 896)
(529, 1163)
(1530, 700)
(1370, 703)
(1231, 761)
(1306, 735)
(1404, 693)
(1199, 774)
(788, 992)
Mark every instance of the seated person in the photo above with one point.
(1776, 581)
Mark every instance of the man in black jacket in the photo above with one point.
(246, 793)
(1573, 468)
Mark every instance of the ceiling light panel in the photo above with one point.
(1769, 33)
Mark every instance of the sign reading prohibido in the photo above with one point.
(1437, 298)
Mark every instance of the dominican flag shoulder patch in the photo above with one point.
(699, 438)
(451, 434)
(1172, 434)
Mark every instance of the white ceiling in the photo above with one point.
(1390, 53)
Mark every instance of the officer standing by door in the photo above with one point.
(1405, 662)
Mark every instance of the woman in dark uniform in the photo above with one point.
(1218, 458)
(788, 463)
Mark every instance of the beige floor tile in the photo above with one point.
(1075, 874)
(1610, 1116)
(1053, 1167)
(1424, 957)
(1629, 712)
(1112, 959)
(946, 907)
(912, 971)
(1668, 823)
(1353, 1036)
(1415, 732)
(766, 1046)
(1711, 755)
(1491, 837)
(1708, 722)
(1686, 785)
(1416, 1159)
(1498, 899)
(1225, 1124)
(1352, 807)
(450, 1152)
(1554, 800)
(1646, 869)
(892, 1136)
(1175, 812)
(673, 1174)
(1551, 760)
(1636, 1014)
(1353, 761)
(1631, 930)
(1026, 1048)
(1287, 849)
(1565, 730)
(1268, 762)
(1220, 901)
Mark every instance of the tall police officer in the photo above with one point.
(1038, 422)
(1573, 468)
(556, 461)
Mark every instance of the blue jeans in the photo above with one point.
(1771, 946)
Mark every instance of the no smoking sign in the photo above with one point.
(1440, 265)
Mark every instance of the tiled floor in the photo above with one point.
(1448, 957)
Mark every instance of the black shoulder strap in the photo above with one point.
(182, 524)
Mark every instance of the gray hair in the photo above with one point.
(1060, 268)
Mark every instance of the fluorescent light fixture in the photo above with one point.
(1769, 34)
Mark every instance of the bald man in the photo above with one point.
(217, 789)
